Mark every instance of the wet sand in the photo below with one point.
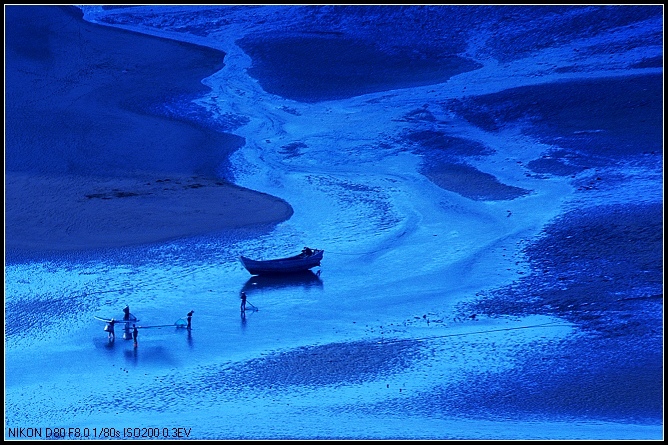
(352, 67)
(85, 117)
(610, 371)
(69, 212)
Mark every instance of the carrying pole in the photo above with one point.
(158, 326)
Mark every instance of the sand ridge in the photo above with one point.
(66, 212)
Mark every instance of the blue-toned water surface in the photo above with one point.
(485, 183)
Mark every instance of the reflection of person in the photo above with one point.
(110, 329)
(126, 312)
(243, 302)
(190, 316)
(135, 333)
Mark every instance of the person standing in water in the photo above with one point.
(135, 333)
(190, 316)
(110, 329)
(126, 312)
(243, 302)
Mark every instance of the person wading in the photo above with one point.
(110, 329)
(243, 302)
(135, 333)
(190, 316)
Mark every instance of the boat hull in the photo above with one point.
(295, 264)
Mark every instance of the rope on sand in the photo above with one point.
(544, 325)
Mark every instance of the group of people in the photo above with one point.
(127, 316)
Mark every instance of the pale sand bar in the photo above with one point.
(90, 160)
(66, 212)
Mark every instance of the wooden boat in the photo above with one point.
(299, 263)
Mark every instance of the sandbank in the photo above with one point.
(69, 212)
(93, 157)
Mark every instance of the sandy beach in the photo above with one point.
(80, 213)
(92, 160)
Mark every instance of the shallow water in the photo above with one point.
(376, 346)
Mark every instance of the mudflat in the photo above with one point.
(92, 160)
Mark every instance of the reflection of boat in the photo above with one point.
(298, 263)
(265, 282)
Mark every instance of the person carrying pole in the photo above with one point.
(110, 329)
(243, 301)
